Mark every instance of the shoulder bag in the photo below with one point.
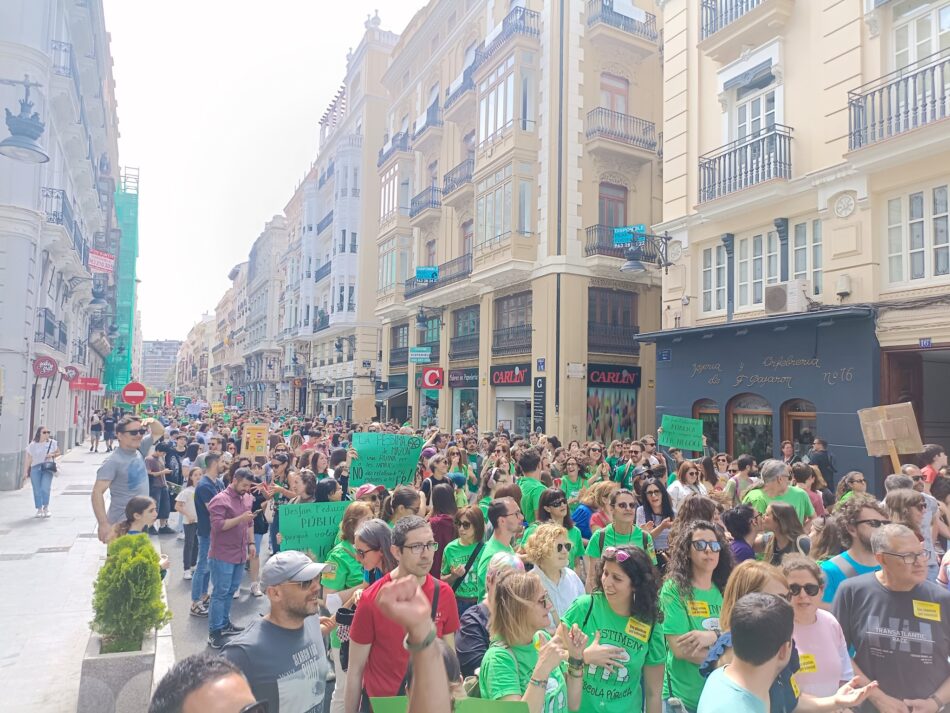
(48, 466)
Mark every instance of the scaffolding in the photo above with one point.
(118, 371)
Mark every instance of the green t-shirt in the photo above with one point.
(624, 475)
(347, 573)
(531, 490)
(483, 505)
(572, 488)
(612, 539)
(456, 555)
(700, 613)
(796, 497)
(617, 691)
(506, 671)
(844, 498)
(573, 536)
(491, 547)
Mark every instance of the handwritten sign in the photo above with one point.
(683, 433)
(254, 442)
(386, 459)
(311, 527)
(217, 407)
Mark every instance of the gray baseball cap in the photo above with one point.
(291, 566)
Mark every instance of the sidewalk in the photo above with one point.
(47, 568)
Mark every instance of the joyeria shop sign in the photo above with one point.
(510, 375)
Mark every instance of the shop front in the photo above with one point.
(512, 390)
(429, 382)
(756, 383)
(612, 391)
(392, 399)
(464, 386)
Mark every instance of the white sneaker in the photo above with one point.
(39, 512)
(187, 574)
(256, 590)
(181, 536)
(45, 512)
(237, 593)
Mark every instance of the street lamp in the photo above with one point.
(338, 344)
(653, 250)
(425, 314)
(25, 128)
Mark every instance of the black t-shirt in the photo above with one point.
(901, 639)
(108, 423)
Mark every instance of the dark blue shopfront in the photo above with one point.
(756, 383)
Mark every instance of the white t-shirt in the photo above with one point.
(187, 499)
(37, 451)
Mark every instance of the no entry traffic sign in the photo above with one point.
(133, 393)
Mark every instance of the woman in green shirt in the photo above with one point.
(522, 663)
(462, 550)
(691, 599)
(552, 507)
(574, 480)
(621, 531)
(621, 619)
(492, 479)
(853, 482)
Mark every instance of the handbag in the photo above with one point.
(48, 466)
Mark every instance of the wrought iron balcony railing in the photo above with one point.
(458, 176)
(511, 340)
(322, 272)
(612, 338)
(604, 123)
(399, 356)
(430, 197)
(453, 94)
(602, 11)
(520, 21)
(449, 272)
(717, 14)
(746, 162)
(399, 142)
(463, 347)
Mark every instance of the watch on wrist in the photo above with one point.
(937, 702)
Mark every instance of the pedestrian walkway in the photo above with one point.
(47, 569)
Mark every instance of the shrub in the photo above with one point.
(127, 599)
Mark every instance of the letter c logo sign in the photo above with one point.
(432, 378)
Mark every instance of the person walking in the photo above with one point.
(206, 490)
(109, 425)
(40, 467)
(95, 431)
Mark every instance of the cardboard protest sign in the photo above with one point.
(890, 430)
(254, 442)
(310, 527)
(683, 433)
(386, 459)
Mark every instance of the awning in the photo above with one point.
(388, 394)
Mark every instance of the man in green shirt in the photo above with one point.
(506, 521)
(530, 483)
(775, 479)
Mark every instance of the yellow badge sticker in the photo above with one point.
(795, 689)
(927, 610)
(807, 663)
(697, 608)
(638, 630)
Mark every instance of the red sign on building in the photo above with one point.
(84, 383)
(44, 367)
(432, 377)
(70, 373)
(512, 375)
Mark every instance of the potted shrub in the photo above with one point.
(127, 610)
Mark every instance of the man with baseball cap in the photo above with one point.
(282, 654)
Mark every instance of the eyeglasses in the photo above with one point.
(255, 707)
(44, 433)
(517, 513)
(910, 557)
(545, 601)
(874, 522)
(703, 545)
(613, 553)
(420, 547)
(692, 472)
(564, 546)
(464, 524)
(136, 432)
(557, 503)
(651, 493)
(862, 480)
(625, 505)
(733, 470)
(372, 496)
(635, 454)
(363, 553)
(305, 584)
(810, 589)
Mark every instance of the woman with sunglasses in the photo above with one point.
(822, 652)
(598, 469)
(623, 610)
(622, 531)
(687, 483)
(549, 550)
(40, 451)
(656, 516)
(552, 507)
(461, 555)
(573, 478)
(907, 507)
(492, 479)
(523, 663)
(721, 463)
(691, 599)
(853, 482)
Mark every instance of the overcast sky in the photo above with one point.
(218, 108)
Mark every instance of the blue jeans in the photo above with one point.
(162, 500)
(225, 578)
(41, 482)
(199, 580)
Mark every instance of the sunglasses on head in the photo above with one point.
(614, 553)
(810, 589)
(703, 545)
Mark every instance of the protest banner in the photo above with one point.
(387, 459)
(683, 433)
(217, 407)
(254, 442)
(310, 527)
(890, 430)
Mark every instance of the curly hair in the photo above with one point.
(680, 567)
(849, 514)
(541, 542)
(645, 595)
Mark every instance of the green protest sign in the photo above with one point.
(386, 459)
(310, 527)
(683, 433)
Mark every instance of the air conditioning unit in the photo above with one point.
(787, 297)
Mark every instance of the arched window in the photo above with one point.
(707, 411)
(750, 426)
(799, 423)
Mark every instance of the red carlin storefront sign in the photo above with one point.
(510, 375)
(613, 376)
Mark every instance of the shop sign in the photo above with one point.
(70, 373)
(84, 383)
(101, 261)
(575, 370)
(427, 273)
(613, 376)
(420, 355)
(44, 367)
(463, 378)
(510, 375)
(432, 377)
(539, 401)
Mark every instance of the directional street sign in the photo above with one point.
(133, 393)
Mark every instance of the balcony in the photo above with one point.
(464, 347)
(49, 332)
(612, 133)
(399, 356)
(600, 241)
(511, 340)
(427, 131)
(59, 211)
(292, 371)
(520, 21)
(730, 25)
(426, 207)
(460, 96)
(325, 222)
(900, 103)
(434, 348)
(746, 162)
(321, 322)
(395, 222)
(322, 272)
(398, 144)
(457, 187)
(449, 272)
(612, 338)
(610, 30)
(389, 301)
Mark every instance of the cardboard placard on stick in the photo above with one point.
(890, 430)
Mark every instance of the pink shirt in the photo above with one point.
(229, 545)
(823, 655)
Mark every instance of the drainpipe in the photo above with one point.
(781, 227)
(728, 241)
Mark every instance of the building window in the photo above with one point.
(468, 233)
(799, 423)
(611, 307)
(714, 279)
(806, 254)
(400, 336)
(918, 240)
(514, 311)
(493, 206)
(757, 265)
(466, 322)
(707, 411)
(750, 425)
(755, 115)
(343, 241)
(352, 242)
(613, 93)
(387, 263)
(612, 205)
(920, 29)
(430, 253)
(496, 105)
(430, 335)
(525, 212)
